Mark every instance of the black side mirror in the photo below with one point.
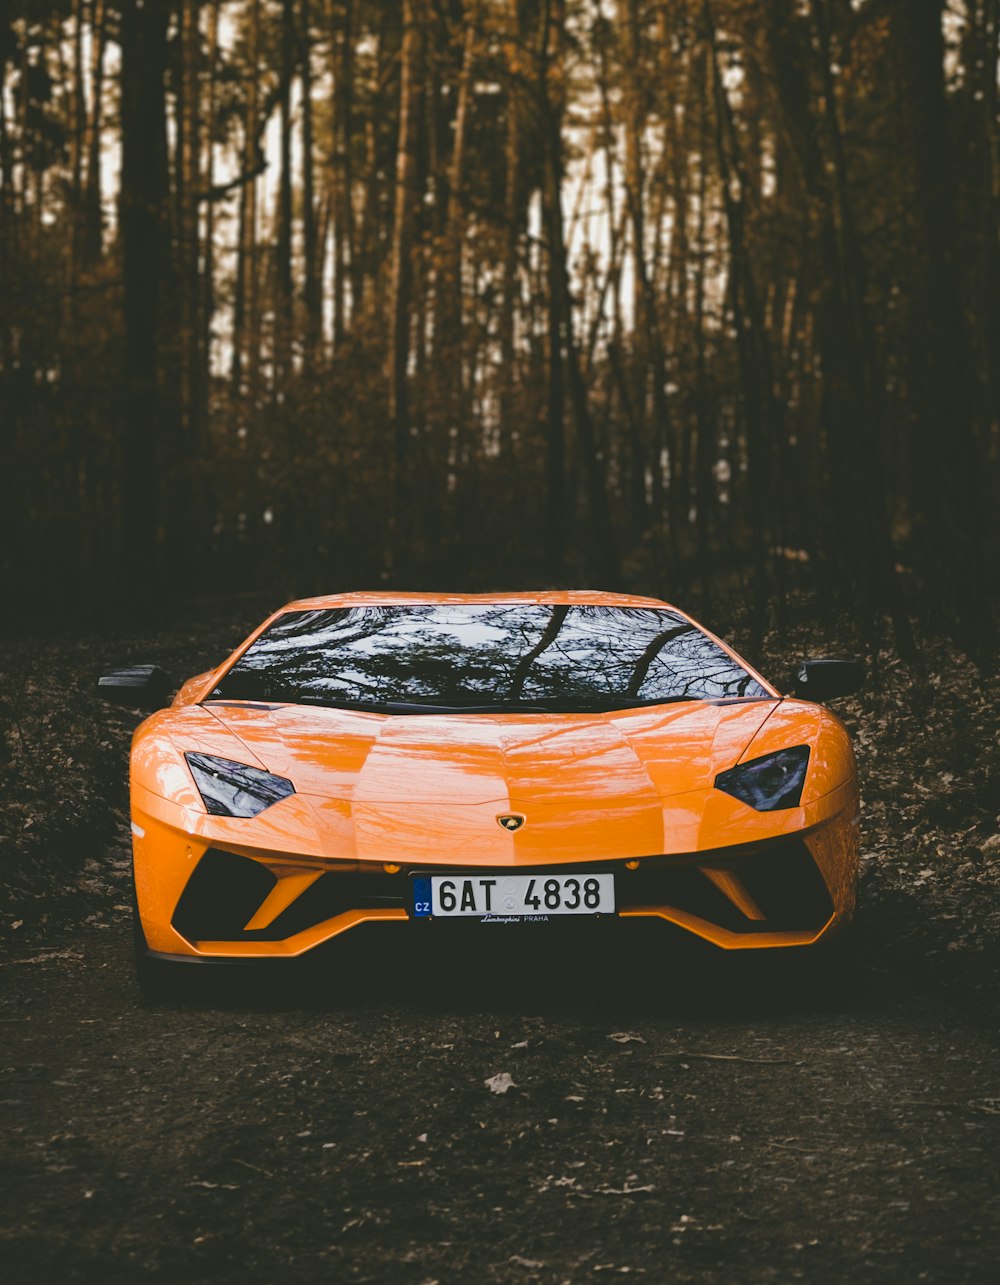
(823, 680)
(141, 687)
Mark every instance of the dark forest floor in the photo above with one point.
(672, 1116)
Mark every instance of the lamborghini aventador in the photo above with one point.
(443, 759)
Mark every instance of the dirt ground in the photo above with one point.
(663, 1112)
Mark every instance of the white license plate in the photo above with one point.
(501, 896)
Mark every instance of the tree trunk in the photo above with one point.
(207, 305)
(948, 507)
(93, 222)
(664, 438)
(187, 166)
(748, 322)
(368, 240)
(346, 263)
(704, 403)
(864, 529)
(564, 364)
(145, 230)
(451, 314)
(244, 285)
(78, 138)
(313, 268)
(513, 212)
(407, 198)
(283, 257)
(555, 434)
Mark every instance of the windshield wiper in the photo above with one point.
(383, 707)
(555, 705)
(597, 704)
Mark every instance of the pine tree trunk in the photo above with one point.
(449, 345)
(78, 138)
(93, 223)
(655, 370)
(284, 284)
(346, 263)
(555, 445)
(948, 507)
(513, 212)
(246, 349)
(406, 203)
(313, 270)
(864, 528)
(145, 231)
(207, 304)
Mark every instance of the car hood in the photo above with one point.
(517, 761)
(430, 789)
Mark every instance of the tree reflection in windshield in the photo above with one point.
(480, 653)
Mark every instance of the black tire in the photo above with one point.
(796, 975)
(158, 981)
(823, 971)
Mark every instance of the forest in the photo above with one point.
(690, 298)
(697, 297)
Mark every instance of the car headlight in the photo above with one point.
(769, 783)
(231, 789)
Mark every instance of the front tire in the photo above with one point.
(157, 980)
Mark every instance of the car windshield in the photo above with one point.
(425, 658)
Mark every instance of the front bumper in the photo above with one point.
(205, 897)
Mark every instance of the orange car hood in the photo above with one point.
(516, 761)
(430, 789)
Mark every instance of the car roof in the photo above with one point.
(544, 597)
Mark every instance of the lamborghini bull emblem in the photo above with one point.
(510, 820)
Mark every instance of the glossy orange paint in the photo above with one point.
(425, 792)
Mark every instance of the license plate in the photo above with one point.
(492, 896)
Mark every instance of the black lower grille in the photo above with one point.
(332, 895)
(684, 888)
(221, 896)
(787, 885)
(782, 879)
(226, 890)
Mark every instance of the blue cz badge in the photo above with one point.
(421, 898)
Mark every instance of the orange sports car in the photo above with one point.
(490, 759)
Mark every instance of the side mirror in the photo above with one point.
(141, 687)
(823, 680)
